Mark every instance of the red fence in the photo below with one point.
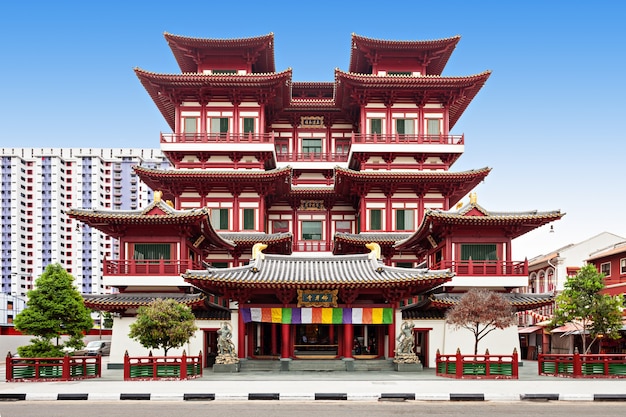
(485, 366)
(162, 367)
(67, 368)
(582, 366)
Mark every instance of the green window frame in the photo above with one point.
(433, 126)
(151, 251)
(219, 125)
(311, 146)
(405, 126)
(479, 252)
(376, 219)
(219, 218)
(404, 219)
(248, 125)
(376, 126)
(248, 219)
(311, 230)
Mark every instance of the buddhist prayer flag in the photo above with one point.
(317, 315)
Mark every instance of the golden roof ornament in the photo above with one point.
(257, 250)
(375, 250)
(473, 198)
(157, 196)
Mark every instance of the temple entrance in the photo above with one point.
(266, 340)
(316, 341)
(367, 341)
(210, 347)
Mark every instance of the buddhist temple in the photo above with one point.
(313, 217)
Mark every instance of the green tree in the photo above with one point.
(163, 324)
(481, 312)
(54, 308)
(590, 312)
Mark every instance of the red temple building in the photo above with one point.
(314, 217)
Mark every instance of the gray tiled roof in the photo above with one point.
(344, 270)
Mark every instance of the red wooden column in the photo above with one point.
(241, 336)
(391, 331)
(348, 335)
(285, 348)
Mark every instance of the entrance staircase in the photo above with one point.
(316, 365)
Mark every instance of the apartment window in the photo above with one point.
(151, 251)
(478, 252)
(248, 219)
(219, 219)
(248, 125)
(219, 124)
(311, 146)
(376, 219)
(311, 230)
(404, 220)
(622, 266)
(605, 268)
(433, 126)
(376, 126)
(405, 126)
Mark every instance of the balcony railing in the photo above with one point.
(217, 138)
(167, 267)
(312, 246)
(485, 268)
(312, 157)
(413, 139)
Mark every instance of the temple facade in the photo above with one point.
(318, 219)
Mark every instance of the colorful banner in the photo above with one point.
(317, 315)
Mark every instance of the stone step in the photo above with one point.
(316, 365)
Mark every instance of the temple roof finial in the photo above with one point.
(473, 198)
(157, 196)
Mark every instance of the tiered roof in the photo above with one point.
(433, 54)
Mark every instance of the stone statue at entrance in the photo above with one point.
(225, 346)
(405, 352)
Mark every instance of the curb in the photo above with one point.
(320, 396)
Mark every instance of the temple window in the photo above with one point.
(218, 125)
(311, 230)
(404, 264)
(605, 268)
(248, 124)
(405, 126)
(342, 147)
(151, 251)
(280, 226)
(343, 226)
(479, 252)
(223, 71)
(376, 126)
(311, 146)
(376, 216)
(433, 127)
(404, 219)
(248, 219)
(190, 125)
(400, 73)
(282, 148)
(219, 218)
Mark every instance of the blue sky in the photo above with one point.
(544, 120)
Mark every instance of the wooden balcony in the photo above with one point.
(312, 246)
(485, 268)
(158, 267)
(217, 137)
(412, 139)
(312, 157)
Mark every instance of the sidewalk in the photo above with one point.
(310, 386)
